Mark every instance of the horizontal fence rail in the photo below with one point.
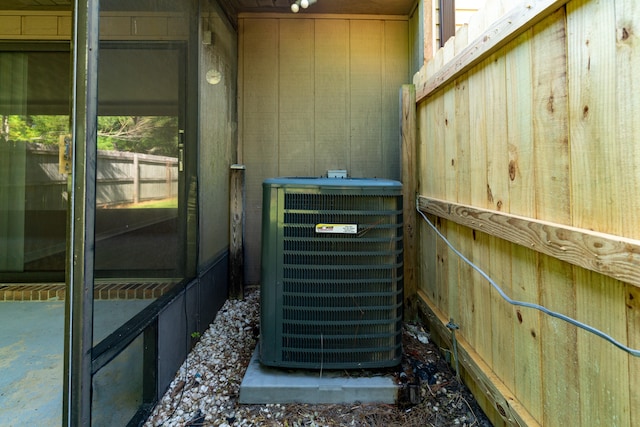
(614, 256)
(122, 178)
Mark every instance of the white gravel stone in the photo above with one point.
(209, 379)
(206, 387)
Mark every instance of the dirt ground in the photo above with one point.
(431, 396)
(206, 389)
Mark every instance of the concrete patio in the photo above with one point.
(32, 355)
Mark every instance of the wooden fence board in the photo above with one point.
(592, 103)
(482, 331)
(497, 193)
(551, 181)
(449, 153)
(427, 263)
(427, 153)
(524, 262)
(633, 328)
(520, 148)
(603, 369)
(427, 184)
(497, 166)
(438, 124)
(527, 381)
(561, 382)
(477, 25)
(439, 187)
(462, 159)
(552, 184)
(627, 125)
(502, 313)
(442, 256)
(409, 188)
(481, 247)
(597, 182)
(448, 141)
(460, 164)
(615, 256)
(478, 178)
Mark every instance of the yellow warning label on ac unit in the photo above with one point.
(337, 228)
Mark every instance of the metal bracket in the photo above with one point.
(64, 154)
(181, 150)
(453, 327)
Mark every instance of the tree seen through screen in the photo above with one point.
(140, 134)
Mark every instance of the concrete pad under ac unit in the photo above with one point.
(262, 385)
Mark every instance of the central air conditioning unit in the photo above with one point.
(332, 284)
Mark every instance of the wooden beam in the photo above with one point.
(613, 256)
(484, 380)
(409, 190)
(522, 17)
(236, 236)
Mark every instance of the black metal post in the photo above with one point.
(81, 216)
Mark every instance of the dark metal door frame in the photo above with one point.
(81, 216)
(81, 359)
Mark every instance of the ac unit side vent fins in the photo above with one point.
(332, 273)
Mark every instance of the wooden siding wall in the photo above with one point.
(317, 94)
(50, 25)
(529, 152)
(218, 132)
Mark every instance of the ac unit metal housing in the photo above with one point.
(331, 278)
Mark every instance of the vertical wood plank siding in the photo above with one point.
(318, 94)
(543, 126)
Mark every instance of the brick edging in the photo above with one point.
(102, 291)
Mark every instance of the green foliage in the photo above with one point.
(140, 134)
(42, 129)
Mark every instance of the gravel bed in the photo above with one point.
(205, 389)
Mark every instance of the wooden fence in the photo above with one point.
(122, 178)
(34, 195)
(527, 154)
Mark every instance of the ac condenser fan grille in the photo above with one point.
(332, 274)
